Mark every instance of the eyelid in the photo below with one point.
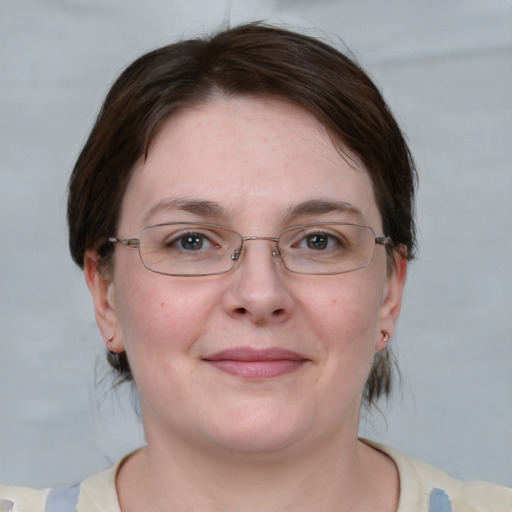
(328, 228)
(192, 231)
(210, 235)
(303, 232)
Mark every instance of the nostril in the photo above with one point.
(278, 312)
(242, 311)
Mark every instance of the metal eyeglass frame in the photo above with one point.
(134, 243)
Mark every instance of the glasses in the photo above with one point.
(201, 249)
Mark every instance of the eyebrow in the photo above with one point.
(195, 206)
(322, 207)
(214, 210)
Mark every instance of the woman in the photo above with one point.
(243, 213)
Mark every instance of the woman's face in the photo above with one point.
(203, 349)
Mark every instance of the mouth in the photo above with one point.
(252, 363)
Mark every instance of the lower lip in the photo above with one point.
(257, 369)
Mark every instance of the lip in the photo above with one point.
(253, 363)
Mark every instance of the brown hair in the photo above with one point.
(255, 60)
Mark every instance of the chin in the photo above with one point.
(255, 443)
(258, 430)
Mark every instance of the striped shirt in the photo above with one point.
(423, 488)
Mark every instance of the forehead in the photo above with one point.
(255, 158)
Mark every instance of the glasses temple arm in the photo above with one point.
(384, 240)
(129, 242)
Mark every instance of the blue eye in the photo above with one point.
(317, 241)
(320, 241)
(191, 242)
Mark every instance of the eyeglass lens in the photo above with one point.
(204, 249)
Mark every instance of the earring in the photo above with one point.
(386, 336)
(111, 337)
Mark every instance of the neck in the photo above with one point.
(335, 476)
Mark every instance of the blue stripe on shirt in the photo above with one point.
(439, 501)
(62, 499)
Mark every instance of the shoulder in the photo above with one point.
(461, 496)
(426, 488)
(25, 499)
(96, 492)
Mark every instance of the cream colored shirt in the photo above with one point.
(423, 488)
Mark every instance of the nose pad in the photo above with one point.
(276, 254)
(236, 254)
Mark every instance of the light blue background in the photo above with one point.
(446, 70)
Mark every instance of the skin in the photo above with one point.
(217, 441)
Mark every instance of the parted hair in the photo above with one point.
(254, 60)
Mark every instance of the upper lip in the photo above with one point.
(252, 354)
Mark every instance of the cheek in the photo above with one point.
(346, 308)
(161, 318)
(346, 319)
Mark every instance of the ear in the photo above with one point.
(102, 290)
(391, 301)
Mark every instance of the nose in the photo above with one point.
(258, 289)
